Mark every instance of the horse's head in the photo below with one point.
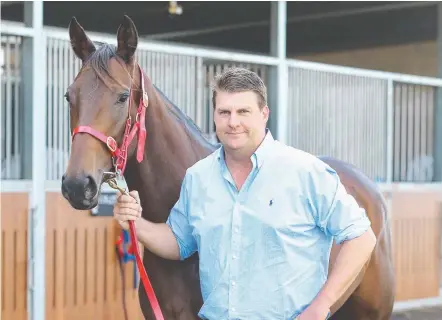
(101, 98)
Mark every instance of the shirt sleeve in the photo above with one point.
(337, 212)
(178, 222)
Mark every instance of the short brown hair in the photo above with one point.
(237, 79)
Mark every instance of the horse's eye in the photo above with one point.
(123, 97)
(66, 96)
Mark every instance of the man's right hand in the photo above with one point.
(127, 208)
(156, 237)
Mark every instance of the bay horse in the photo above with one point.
(166, 144)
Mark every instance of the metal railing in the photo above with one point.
(381, 122)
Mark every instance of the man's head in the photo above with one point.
(240, 109)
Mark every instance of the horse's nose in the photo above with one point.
(79, 190)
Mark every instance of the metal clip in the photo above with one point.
(110, 179)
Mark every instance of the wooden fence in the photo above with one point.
(416, 223)
(83, 277)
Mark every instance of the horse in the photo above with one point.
(166, 143)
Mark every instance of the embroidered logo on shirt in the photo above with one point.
(271, 202)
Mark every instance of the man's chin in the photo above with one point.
(234, 145)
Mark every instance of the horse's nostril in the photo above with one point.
(90, 187)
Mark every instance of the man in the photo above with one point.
(262, 217)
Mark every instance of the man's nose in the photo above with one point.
(233, 120)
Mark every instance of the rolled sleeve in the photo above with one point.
(178, 221)
(338, 213)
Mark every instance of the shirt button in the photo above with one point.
(234, 257)
(233, 283)
(233, 309)
(236, 230)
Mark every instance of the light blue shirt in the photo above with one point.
(264, 250)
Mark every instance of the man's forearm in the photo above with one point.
(158, 238)
(349, 262)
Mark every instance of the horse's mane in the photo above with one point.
(98, 61)
(189, 124)
(178, 113)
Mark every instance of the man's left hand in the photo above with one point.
(314, 312)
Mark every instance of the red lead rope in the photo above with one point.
(119, 156)
(143, 275)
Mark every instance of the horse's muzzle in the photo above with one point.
(80, 191)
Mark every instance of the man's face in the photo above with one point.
(239, 121)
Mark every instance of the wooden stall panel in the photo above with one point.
(14, 225)
(416, 223)
(83, 275)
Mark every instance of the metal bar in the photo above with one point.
(9, 109)
(279, 49)
(17, 29)
(64, 83)
(390, 131)
(62, 34)
(50, 102)
(17, 112)
(365, 72)
(410, 173)
(37, 219)
(192, 50)
(436, 138)
(56, 107)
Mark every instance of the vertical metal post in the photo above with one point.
(278, 86)
(35, 104)
(390, 132)
(437, 164)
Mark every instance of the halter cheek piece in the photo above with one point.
(119, 160)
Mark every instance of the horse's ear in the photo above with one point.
(127, 36)
(80, 42)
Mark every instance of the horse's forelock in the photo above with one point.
(98, 61)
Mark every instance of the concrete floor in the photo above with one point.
(431, 313)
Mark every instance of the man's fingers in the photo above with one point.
(128, 212)
(125, 218)
(134, 193)
(126, 199)
(128, 205)
(127, 208)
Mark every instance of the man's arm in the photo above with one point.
(349, 263)
(171, 240)
(338, 214)
(158, 238)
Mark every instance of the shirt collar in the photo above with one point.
(261, 153)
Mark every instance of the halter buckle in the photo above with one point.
(145, 99)
(111, 144)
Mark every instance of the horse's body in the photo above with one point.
(174, 144)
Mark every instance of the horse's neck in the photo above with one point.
(171, 147)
